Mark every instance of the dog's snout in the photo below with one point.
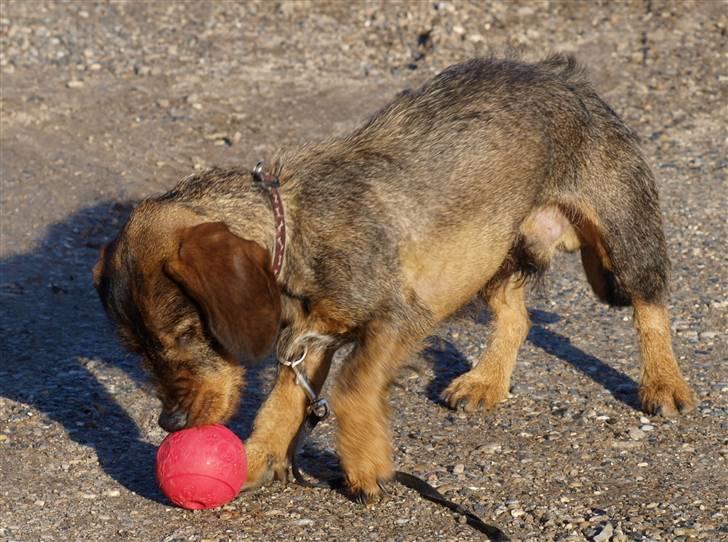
(172, 421)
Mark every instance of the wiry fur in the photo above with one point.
(462, 186)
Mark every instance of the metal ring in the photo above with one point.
(296, 362)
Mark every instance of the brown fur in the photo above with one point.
(468, 184)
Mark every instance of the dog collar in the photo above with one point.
(270, 182)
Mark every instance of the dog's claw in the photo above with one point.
(360, 497)
(383, 487)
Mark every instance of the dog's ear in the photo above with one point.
(232, 282)
(98, 269)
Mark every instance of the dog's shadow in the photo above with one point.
(449, 363)
(57, 348)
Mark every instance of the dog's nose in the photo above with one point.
(172, 421)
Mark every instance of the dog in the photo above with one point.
(463, 187)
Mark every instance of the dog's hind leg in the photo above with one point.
(488, 382)
(625, 258)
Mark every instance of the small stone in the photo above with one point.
(74, 83)
(636, 434)
(684, 531)
(644, 420)
(619, 535)
(708, 334)
(303, 522)
(647, 427)
(517, 513)
(112, 492)
(605, 534)
(164, 104)
(490, 448)
(3, 437)
(458, 469)
(39, 502)
(95, 67)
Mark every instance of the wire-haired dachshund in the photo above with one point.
(463, 187)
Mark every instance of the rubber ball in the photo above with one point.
(201, 467)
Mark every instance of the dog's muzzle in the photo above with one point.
(172, 421)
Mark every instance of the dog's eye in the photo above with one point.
(185, 338)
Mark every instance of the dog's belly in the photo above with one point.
(445, 272)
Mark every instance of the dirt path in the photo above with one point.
(104, 103)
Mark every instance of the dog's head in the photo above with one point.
(193, 300)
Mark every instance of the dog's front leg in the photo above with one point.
(360, 402)
(270, 446)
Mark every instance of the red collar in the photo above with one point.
(270, 182)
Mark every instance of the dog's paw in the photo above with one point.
(367, 493)
(667, 398)
(263, 467)
(469, 392)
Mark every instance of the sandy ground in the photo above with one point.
(105, 103)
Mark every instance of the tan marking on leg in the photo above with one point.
(663, 389)
(270, 446)
(360, 401)
(488, 382)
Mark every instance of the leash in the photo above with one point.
(318, 410)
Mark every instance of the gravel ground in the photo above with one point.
(104, 103)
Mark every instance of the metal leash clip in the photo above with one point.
(268, 180)
(319, 407)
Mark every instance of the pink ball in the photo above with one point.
(201, 467)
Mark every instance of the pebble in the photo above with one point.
(636, 434)
(458, 469)
(304, 522)
(74, 83)
(647, 427)
(708, 334)
(490, 448)
(605, 534)
(112, 492)
(684, 531)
